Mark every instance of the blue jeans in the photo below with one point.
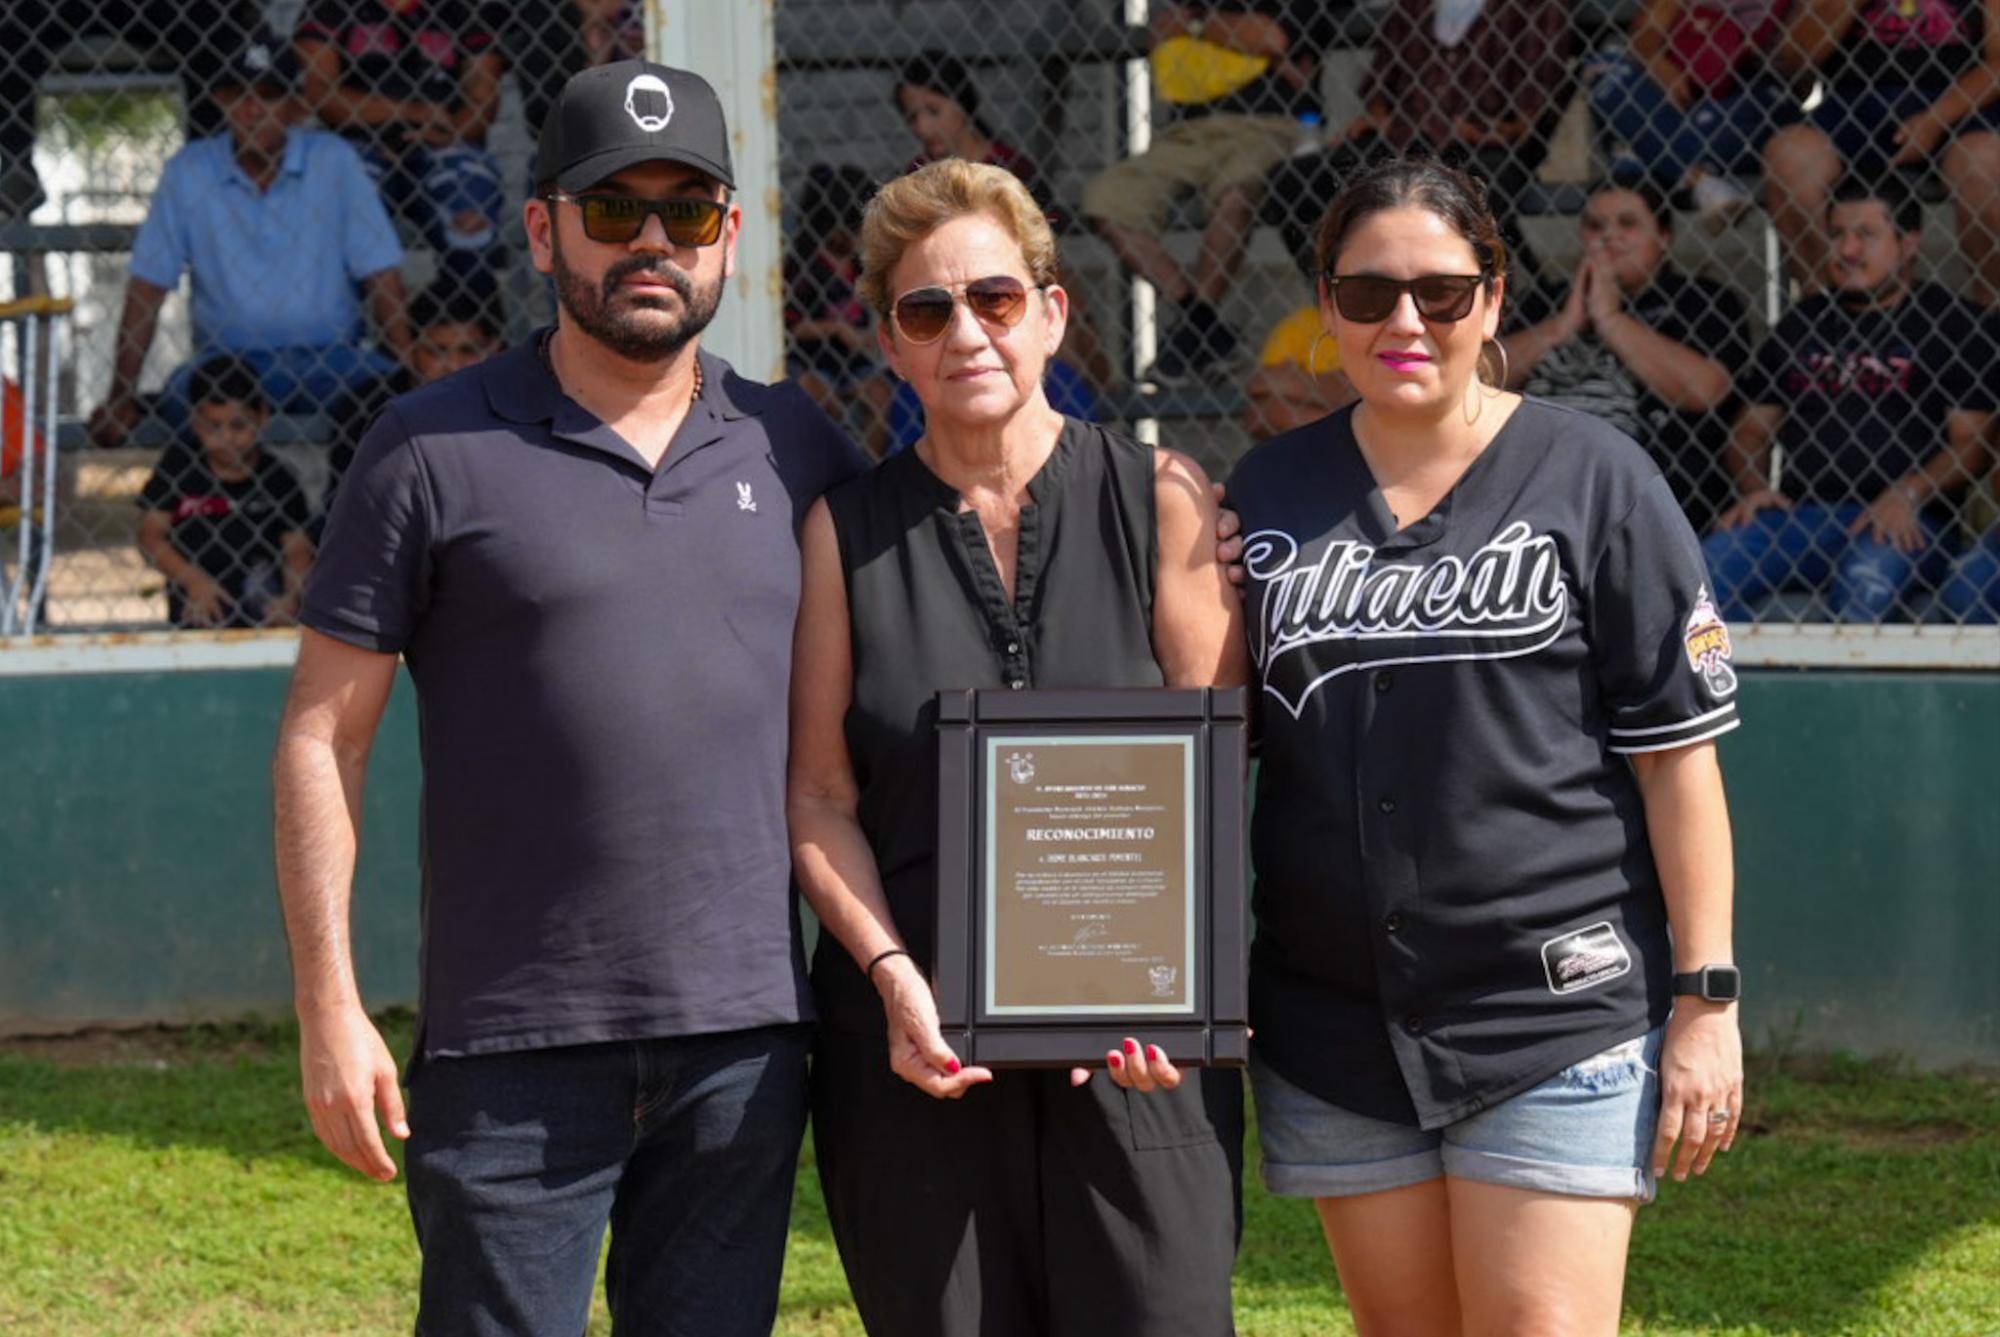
(687, 1147)
(441, 191)
(1971, 592)
(1808, 548)
(1587, 1131)
(1720, 134)
(295, 380)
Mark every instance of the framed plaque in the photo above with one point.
(1091, 874)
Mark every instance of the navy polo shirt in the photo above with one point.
(1455, 891)
(601, 653)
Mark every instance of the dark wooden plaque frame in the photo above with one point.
(1215, 720)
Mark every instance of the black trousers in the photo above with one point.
(1029, 1208)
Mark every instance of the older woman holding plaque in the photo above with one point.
(1013, 547)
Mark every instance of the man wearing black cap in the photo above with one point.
(586, 552)
(280, 227)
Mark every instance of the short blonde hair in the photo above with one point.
(916, 204)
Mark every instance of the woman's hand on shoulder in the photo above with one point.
(917, 1051)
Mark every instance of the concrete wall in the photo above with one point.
(136, 882)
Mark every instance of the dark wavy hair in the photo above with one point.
(1415, 182)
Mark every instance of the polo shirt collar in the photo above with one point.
(294, 163)
(521, 389)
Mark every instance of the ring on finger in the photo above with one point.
(1720, 1117)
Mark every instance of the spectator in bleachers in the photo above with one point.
(223, 521)
(1638, 343)
(1692, 97)
(940, 104)
(830, 342)
(1240, 76)
(1482, 81)
(1907, 83)
(546, 41)
(278, 227)
(451, 330)
(415, 85)
(1880, 392)
(202, 34)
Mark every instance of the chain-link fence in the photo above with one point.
(1761, 236)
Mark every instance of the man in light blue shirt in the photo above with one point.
(284, 234)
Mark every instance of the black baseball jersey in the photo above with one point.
(1455, 894)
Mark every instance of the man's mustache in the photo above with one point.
(651, 268)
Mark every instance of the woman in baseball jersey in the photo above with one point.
(1491, 983)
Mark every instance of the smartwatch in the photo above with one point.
(1716, 984)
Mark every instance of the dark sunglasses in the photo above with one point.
(618, 219)
(1369, 298)
(922, 315)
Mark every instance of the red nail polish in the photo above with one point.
(1153, 1053)
(1115, 1060)
(952, 1067)
(1132, 1047)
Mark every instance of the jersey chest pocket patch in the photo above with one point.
(1584, 959)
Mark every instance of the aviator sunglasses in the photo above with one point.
(620, 218)
(1368, 299)
(923, 314)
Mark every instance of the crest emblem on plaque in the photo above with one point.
(1162, 979)
(1021, 767)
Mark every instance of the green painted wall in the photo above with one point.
(136, 879)
(136, 882)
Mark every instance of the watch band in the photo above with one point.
(1715, 983)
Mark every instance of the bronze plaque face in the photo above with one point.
(1088, 895)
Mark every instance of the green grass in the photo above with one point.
(169, 1183)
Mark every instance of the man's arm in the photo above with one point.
(137, 322)
(324, 740)
(1891, 515)
(1682, 377)
(1748, 460)
(387, 304)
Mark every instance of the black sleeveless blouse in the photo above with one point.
(928, 612)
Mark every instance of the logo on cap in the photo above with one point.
(648, 103)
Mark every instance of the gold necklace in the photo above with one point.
(546, 343)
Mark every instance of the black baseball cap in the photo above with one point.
(611, 116)
(266, 61)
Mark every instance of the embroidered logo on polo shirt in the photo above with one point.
(1585, 958)
(648, 103)
(1346, 611)
(744, 501)
(1707, 639)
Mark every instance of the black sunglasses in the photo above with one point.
(618, 219)
(1369, 298)
(922, 315)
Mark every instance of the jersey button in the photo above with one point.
(1387, 805)
(1392, 922)
(1016, 683)
(1414, 1025)
(1383, 682)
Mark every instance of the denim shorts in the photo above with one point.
(1587, 1131)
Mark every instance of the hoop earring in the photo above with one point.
(1312, 355)
(1505, 370)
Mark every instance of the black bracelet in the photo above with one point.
(880, 957)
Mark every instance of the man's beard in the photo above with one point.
(618, 318)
